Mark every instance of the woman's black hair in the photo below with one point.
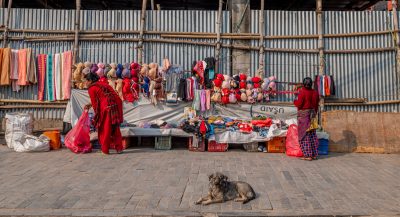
(93, 77)
(307, 82)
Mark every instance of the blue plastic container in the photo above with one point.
(323, 146)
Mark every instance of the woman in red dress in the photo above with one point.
(307, 106)
(108, 113)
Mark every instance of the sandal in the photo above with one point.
(306, 158)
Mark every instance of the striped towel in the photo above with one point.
(41, 59)
(49, 78)
(66, 74)
(57, 76)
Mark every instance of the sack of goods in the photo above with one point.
(17, 126)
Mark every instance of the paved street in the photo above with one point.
(148, 182)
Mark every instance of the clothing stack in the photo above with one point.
(325, 85)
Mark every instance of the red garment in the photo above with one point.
(307, 99)
(326, 84)
(103, 80)
(108, 115)
(127, 91)
(199, 69)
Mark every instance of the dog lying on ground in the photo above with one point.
(221, 190)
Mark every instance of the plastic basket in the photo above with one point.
(214, 146)
(277, 145)
(323, 146)
(162, 143)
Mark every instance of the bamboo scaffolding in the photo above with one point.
(31, 101)
(218, 29)
(6, 29)
(261, 41)
(203, 35)
(77, 27)
(142, 23)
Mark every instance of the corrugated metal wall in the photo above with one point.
(369, 75)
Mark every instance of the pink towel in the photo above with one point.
(66, 74)
(22, 81)
(208, 99)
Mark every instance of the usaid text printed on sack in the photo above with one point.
(275, 111)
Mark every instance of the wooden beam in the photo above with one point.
(142, 24)
(77, 27)
(320, 48)
(218, 28)
(261, 42)
(5, 41)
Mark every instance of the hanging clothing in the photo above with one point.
(67, 74)
(108, 115)
(197, 100)
(182, 89)
(31, 67)
(203, 100)
(208, 99)
(332, 86)
(22, 80)
(5, 61)
(14, 70)
(49, 79)
(57, 77)
(41, 59)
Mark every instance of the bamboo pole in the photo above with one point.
(31, 101)
(32, 106)
(261, 43)
(5, 41)
(218, 28)
(142, 23)
(244, 36)
(320, 48)
(397, 41)
(77, 27)
(2, 3)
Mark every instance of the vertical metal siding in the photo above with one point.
(370, 75)
(363, 75)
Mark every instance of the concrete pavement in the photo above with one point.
(148, 182)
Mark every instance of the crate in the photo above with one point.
(251, 147)
(323, 146)
(214, 146)
(200, 147)
(163, 143)
(277, 145)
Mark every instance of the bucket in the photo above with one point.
(323, 146)
(55, 140)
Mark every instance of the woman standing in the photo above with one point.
(307, 106)
(108, 113)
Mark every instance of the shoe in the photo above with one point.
(260, 148)
(265, 150)
(120, 152)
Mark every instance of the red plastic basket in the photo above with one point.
(214, 146)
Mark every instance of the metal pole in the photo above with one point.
(261, 43)
(218, 28)
(77, 27)
(2, 3)
(5, 37)
(397, 41)
(152, 5)
(142, 22)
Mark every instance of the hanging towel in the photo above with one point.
(41, 59)
(57, 76)
(67, 74)
(5, 67)
(203, 100)
(326, 86)
(49, 78)
(332, 88)
(208, 99)
(196, 100)
(14, 70)
(31, 67)
(22, 81)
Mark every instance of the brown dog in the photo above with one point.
(222, 190)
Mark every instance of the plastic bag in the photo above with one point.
(292, 142)
(33, 144)
(78, 139)
(17, 125)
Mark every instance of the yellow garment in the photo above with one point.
(313, 124)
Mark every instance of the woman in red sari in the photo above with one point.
(307, 106)
(108, 113)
